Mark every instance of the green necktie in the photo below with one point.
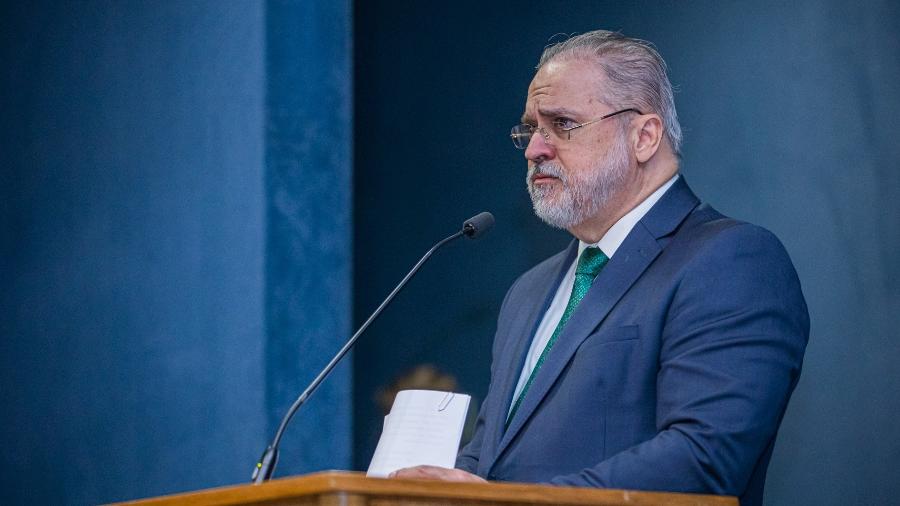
(590, 263)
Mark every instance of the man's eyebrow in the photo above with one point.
(550, 112)
(554, 112)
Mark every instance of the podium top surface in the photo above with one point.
(354, 489)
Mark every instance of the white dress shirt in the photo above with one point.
(609, 243)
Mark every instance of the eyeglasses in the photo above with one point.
(521, 134)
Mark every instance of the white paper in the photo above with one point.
(423, 428)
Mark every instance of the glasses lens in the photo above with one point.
(521, 135)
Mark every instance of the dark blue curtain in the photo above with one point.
(789, 110)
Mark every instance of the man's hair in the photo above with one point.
(636, 73)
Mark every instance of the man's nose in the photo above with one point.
(539, 148)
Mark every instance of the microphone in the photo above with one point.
(472, 228)
(478, 225)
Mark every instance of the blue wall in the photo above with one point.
(790, 111)
(160, 260)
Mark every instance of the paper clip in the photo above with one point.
(448, 397)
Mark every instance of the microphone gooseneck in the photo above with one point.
(474, 227)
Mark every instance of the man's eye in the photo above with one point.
(564, 123)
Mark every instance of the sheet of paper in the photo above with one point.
(423, 427)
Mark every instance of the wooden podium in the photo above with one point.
(354, 489)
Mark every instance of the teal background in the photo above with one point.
(200, 200)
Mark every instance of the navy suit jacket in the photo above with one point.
(673, 373)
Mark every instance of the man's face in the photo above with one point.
(573, 176)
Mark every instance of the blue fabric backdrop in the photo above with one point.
(175, 212)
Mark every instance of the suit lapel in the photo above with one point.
(615, 279)
(518, 339)
(637, 252)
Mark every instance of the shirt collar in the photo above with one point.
(616, 234)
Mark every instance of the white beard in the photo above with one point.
(581, 197)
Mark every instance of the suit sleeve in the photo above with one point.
(730, 355)
(467, 459)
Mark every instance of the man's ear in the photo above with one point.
(648, 134)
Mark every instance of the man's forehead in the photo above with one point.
(569, 73)
(564, 85)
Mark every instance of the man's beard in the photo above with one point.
(581, 197)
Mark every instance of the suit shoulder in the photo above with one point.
(728, 256)
(706, 227)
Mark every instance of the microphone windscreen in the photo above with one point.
(478, 225)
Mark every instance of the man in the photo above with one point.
(659, 350)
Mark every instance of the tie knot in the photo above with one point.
(591, 262)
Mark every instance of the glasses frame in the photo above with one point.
(523, 129)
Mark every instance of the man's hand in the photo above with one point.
(436, 473)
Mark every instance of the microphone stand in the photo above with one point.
(266, 465)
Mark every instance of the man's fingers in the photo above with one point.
(432, 472)
(435, 473)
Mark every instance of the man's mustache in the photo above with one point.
(546, 169)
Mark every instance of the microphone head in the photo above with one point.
(478, 225)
